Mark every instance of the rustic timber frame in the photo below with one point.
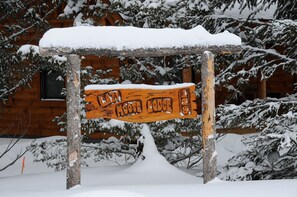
(73, 97)
(143, 52)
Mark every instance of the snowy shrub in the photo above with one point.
(177, 140)
(271, 154)
(53, 152)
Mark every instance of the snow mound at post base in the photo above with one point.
(152, 165)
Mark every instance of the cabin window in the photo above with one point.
(52, 84)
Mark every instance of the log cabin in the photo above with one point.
(30, 112)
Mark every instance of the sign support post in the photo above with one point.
(73, 121)
(208, 117)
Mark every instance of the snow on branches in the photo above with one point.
(269, 45)
(271, 154)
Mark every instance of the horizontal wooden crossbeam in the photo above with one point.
(143, 52)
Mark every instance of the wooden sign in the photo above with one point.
(141, 103)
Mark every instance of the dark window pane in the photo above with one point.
(51, 88)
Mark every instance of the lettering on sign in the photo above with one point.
(128, 108)
(185, 104)
(147, 104)
(156, 105)
(108, 98)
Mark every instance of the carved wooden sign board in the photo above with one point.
(141, 103)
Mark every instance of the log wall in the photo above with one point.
(25, 113)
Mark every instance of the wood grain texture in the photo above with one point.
(141, 105)
(208, 117)
(142, 52)
(73, 121)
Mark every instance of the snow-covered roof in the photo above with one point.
(133, 41)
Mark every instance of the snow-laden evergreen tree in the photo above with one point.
(271, 153)
(18, 19)
(269, 46)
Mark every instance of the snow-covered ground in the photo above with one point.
(152, 176)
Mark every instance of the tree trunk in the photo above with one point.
(262, 93)
(73, 120)
(208, 117)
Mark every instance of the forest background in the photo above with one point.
(268, 31)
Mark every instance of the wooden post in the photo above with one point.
(208, 117)
(187, 75)
(262, 94)
(73, 121)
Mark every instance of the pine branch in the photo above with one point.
(15, 160)
(14, 35)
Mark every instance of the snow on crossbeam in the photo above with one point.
(133, 41)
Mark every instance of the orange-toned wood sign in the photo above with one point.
(141, 103)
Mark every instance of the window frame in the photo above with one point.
(43, 87)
